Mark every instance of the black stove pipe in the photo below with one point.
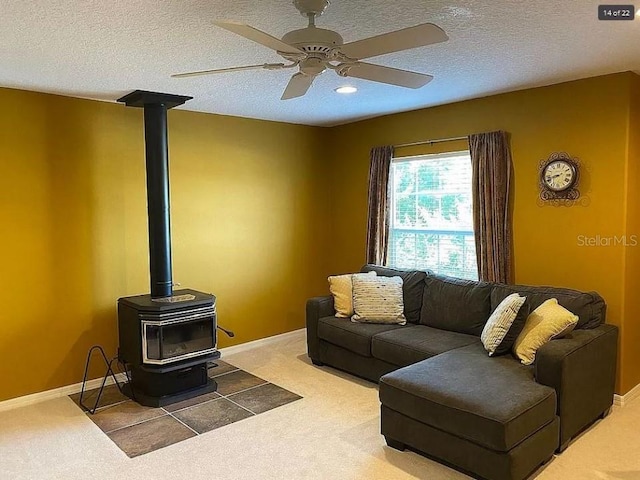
(157, 153)
(155, 107)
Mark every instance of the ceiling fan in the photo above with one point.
(313, 50)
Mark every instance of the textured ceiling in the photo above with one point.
(104, 49)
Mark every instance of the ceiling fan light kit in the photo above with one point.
(314, 50)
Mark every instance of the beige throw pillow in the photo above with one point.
(341, 288)
(378, 300)
(545, 323)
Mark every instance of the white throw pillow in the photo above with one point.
(341, 287)
(378, 300)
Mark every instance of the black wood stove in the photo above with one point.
(166, 338)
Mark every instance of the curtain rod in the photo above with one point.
(430, 142)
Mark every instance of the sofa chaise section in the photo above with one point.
(485, 406)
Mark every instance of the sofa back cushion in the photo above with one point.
(412, 288)
(456, 305)
(588, 306)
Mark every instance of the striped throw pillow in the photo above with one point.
(504, 325)
(378, 300)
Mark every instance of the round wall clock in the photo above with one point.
(559, 178)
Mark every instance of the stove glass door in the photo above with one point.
(172, 341)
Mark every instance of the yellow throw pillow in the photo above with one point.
(341, 287)
(545, 323)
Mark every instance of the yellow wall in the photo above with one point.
(631, 326)
(246, 220)
(587, 118)
(262, 212)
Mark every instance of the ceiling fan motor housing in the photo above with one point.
(314, 40)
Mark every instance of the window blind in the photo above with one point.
(431, 224)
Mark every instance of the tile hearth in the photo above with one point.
(138, 430)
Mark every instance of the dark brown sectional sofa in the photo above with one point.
(441, 393)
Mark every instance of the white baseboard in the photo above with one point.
(261, 342)
(622, 400)
(95, 383)
(55, 393)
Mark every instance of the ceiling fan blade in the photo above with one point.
(405, 39)
(297, 86)
(267, 66)
(258, 36)
(393, 76)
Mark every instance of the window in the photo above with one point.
(431, 224)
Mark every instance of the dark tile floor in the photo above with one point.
(138, 430)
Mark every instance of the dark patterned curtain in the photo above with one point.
(491, 166)
(378, 218)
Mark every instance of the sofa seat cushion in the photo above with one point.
(415, 343)
(491, 401)
(350, 335)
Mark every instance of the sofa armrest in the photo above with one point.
(582, 369)
(317, 308)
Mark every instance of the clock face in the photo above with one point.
(559, 175)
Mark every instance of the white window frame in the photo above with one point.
(392, 206)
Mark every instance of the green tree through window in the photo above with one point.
(431, 214)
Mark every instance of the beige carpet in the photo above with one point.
(331, 433)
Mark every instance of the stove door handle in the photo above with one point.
(228, 332)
